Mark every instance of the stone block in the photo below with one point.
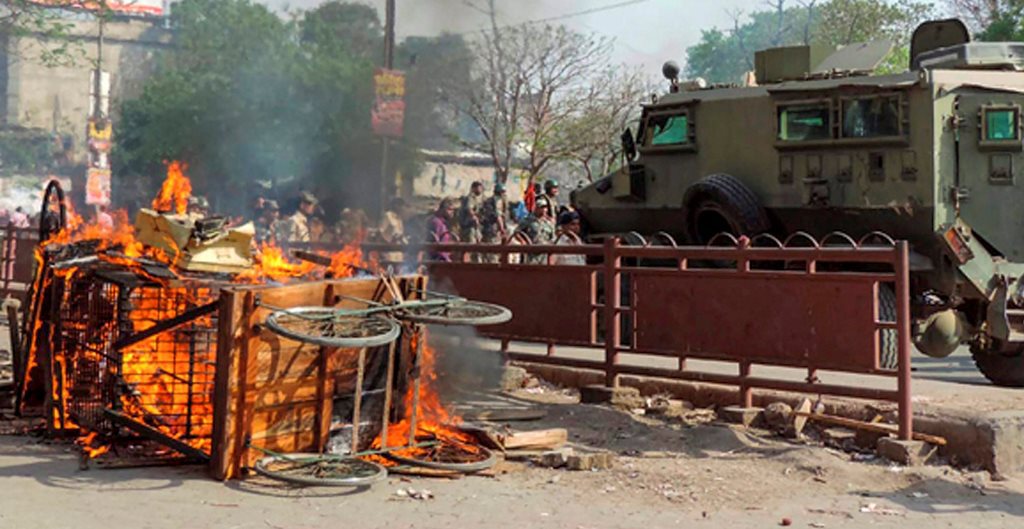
(513, 378)
(777, 416)
(910, 453)
(554, 458)
(596, 461)
(740, 415)
(841, 438)
(867, 440)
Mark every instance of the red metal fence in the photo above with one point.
(815, 306)
(16, 260)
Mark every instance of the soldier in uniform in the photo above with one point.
(266, 222)
(551, 193)
(494, 220)
(295, 229)
(470, 215)
(539, 227)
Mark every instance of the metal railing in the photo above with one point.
(837, 305)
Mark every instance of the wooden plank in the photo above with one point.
(276, 392)
(226, 328)
(238, 401)
(301, 416)
(869, 426)
(286, 443)
(325, 400)
(537, 439)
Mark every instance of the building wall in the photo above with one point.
(56, 98)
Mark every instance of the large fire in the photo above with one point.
(422, 405)
(175, 191)
(157, 372)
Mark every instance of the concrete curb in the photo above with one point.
(993, 441)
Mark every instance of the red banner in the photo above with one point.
(388, 113)
(97, 187)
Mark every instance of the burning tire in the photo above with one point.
(329, 327)
(320, 470)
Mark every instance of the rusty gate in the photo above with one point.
(837, 305)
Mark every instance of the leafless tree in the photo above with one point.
(528, 82)
(611, 105)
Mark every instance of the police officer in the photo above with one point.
(266, 222)
(494, 221)
(471, 213)
(296, 227)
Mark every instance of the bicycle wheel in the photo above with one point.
(320, 471)
(329, 327)
(456, 311)
(446, 456)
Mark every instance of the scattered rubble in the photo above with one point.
(411, 493)
(623, 397)
(777, 416)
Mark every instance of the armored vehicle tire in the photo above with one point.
(1002, 368)
(888, 342)
(720, 203)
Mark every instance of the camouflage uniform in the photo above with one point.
(540, 230)
(470, 216)
(493, 222)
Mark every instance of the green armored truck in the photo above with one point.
(818, 144)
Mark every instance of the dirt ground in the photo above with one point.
(668, 473)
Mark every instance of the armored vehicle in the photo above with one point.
(819, 144)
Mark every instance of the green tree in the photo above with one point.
(1004, 21)
(49, 23)
(224, 101)
(722, 56)
(245, 95)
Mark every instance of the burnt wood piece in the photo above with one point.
(155, 435)
(166, 325)
(324, 260)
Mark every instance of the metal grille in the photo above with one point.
(164, 381)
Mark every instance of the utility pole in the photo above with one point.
(98, 130)
(98, 84)
(389, 60)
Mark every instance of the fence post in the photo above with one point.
(612, 299)
(902, 269)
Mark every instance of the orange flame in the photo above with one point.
(176, 190)
(89, 446)
(434, 420)
(153, 369)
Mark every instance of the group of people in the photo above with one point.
(476, 218)
(306, 224)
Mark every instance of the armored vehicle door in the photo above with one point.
(991, 168)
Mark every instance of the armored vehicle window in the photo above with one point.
(1001, 124)
(871, 117)
(804, 122)
(669, 130)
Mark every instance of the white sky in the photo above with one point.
(647, 33)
